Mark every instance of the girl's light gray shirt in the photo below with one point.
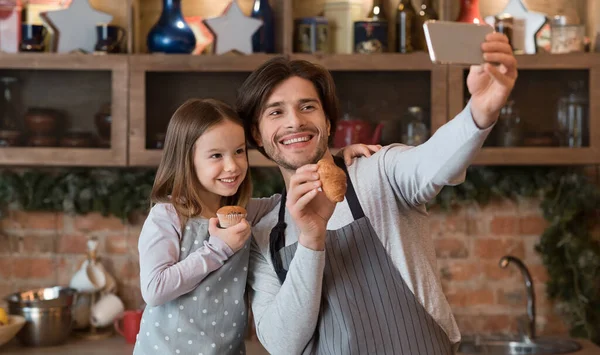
(195, 286)
(163, 277)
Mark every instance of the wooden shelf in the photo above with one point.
(537, 156)
(240, 63)
(197, 63)
(418, 61)
(232, 62)
(61, 156)
(255, 158)
(55, 61)
(128, 145)
(373, 62)
(558, 61)
(546, 61)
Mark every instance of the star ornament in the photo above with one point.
(533, 22)
(233, 30)
(76, 26)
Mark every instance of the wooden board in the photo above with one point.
(537, 156)
(374, 62)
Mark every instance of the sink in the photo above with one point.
(527, 342)
(516, 346)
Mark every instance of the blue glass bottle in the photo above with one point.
(264, 38)
(171, 34)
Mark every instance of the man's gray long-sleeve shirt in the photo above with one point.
(392, 186)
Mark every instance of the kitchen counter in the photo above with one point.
(117, 346)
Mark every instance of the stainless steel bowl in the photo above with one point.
(48, 314)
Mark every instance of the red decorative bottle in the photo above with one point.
(469, 12)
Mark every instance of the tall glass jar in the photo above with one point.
(508, 131)
(572, 116)
(10, 123)
(415, 131)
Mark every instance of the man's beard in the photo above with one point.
(278, 157)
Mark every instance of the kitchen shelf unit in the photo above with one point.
(442, 86)
(575, 64)
(68, 76)
(184, 75)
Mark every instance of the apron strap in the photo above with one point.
(277, 235)
(351, 198)
(277, 239)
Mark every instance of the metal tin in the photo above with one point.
(312, 35)
(566, 36)
(370, 36)
(504, 23)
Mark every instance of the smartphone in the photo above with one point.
(455, 42)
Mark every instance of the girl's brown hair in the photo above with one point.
(176, 182)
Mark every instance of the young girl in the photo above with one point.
(192, 273)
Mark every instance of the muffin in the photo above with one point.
(230, 215)
(333, 180)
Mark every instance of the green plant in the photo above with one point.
(117, 192)
(571, 204)
(570, 245)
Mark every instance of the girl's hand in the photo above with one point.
(357, 150)
(235, 236)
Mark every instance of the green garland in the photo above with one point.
(570, 203)
(117, 192)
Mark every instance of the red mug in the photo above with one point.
(131, 325)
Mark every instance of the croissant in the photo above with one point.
(333, 180)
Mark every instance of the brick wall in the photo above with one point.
(42, 249)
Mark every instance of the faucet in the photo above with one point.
(503, 263)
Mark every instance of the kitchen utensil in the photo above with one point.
(89, 278)
(103, 120)
(131, 320)
(33, 37)
(77, 139)
(41, 121)
(48, 314)
(8, 331)
(106, 310)
(110, 38)
(81, 311)
(353, 131)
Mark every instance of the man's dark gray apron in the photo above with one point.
(366, 306)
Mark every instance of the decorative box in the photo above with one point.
(370, 37)
(312, 35)
(341, 15)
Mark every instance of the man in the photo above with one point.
(359, 277)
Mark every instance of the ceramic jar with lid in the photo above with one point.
(341, 15)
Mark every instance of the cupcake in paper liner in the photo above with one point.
(230, 215)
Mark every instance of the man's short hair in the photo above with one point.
(252, 96)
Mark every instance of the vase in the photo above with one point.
(264, 39)
(171, 34)
(469, 12)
